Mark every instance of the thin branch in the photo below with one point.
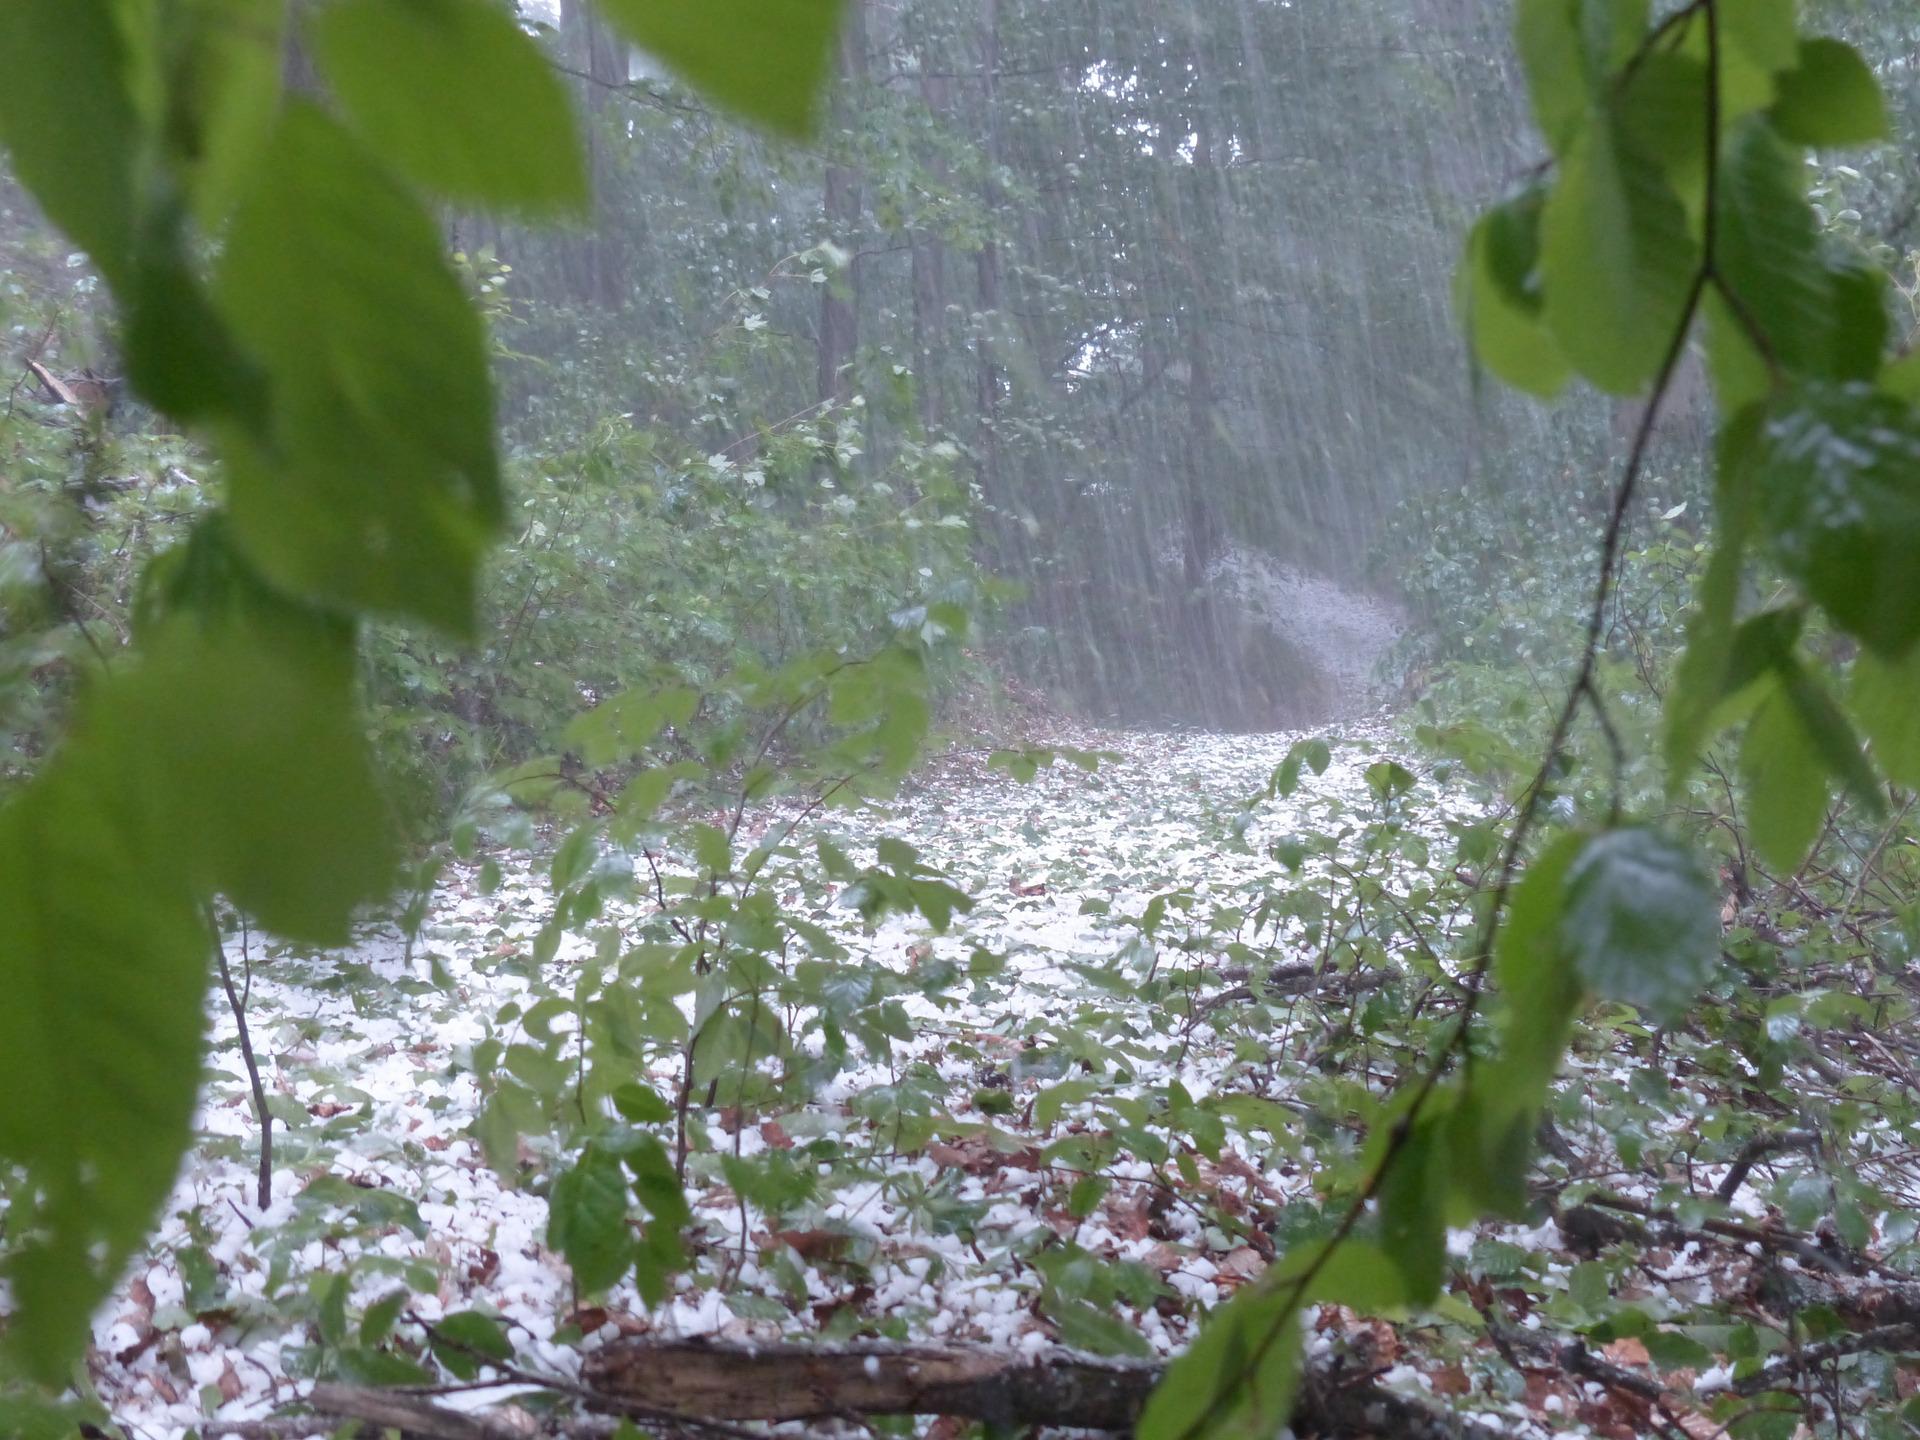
(264, 1187)
(1889, 1338)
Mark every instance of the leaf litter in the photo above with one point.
(968, 1220)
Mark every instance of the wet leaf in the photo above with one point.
(1641, 921)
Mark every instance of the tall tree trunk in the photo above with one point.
(930, 282)
(840, 297)
(1213, 668)
(987, 279)
(600, 58)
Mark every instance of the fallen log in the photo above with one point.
(724, 1381)
(717, 1381)
(368, 1413)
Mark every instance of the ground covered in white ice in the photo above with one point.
(1097, 1103)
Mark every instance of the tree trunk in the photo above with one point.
(987, 281)
(840, 297)
(930, 282)
(601, 59)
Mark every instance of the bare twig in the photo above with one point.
(264, 1189)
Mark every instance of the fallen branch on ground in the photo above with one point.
(1892, 1339)
(1586, 1229)
(778, 1382)
(1287, 982)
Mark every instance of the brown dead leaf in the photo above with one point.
(1541, 1387)
(815, 1244)
(1617, 1415)
(230, 1387)
(950, 1157)
(327, 1109)
(1164, 1258)
(1241, 1265)
(485, 1266)
(1129, 1219)
(1239, 1169)
(1627, 1350)
(1375, 1341)
(775, 1134)
(1450, 1380)
(976, 1155)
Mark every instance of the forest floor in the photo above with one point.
(934, 1196)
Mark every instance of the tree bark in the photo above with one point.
(988, 298)
(840, 297)
(930, 282)
(693, 1379)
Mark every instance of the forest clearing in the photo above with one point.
(1090, 1127)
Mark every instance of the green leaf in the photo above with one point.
(1388, 779)
(1901, 377)
(28, 1417)
(1617, 260)
(1833, 736)
(1238, 1380)
(223, 60)
(1313, 754)
(1766, 32)
(1816, 316)
(1641, 921)
(103, 960)
(1839, 493)
(378, 1321)
(1548, 39)
(1570, 50)
(1096, 1330)
(457, 96)
(587, 1220)
(377, 486)
(623, 725)
(1785, 783)
(1662, 110)
(641, 1104)
(239, 722)
(1671, 1350)
(69, 74)
(1830, 97)
(252, 754)
(1413, 1203)
(1886, 699)
(1701, 677)
(764, 59)
(181, 357)
(1493, 1122)
(1498, 297)
(379, 1367)
(660, 1253)
(1357, 1274)
(1768, 249)
(466, 1340)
